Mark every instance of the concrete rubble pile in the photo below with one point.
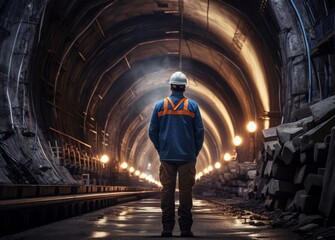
(231, 180)
(295, 168)
(293, 179)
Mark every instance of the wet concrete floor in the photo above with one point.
(141, 220)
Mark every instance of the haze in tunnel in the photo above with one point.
(126, 82)
(99, 67)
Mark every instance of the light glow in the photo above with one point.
(251, 127)
(143, 175)
(104, 159)
(124, 165)
(227, 157)
(237, 141)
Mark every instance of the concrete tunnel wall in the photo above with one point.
(88, 74)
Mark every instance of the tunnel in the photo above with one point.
(79, 80)
(86, 75)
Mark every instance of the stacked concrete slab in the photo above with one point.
(232, 180)
(295, 168)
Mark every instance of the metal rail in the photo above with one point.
(20, 214)
(15, 204)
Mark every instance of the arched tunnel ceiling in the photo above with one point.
(105, 64)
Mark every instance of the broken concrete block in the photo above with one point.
(259, 156)
(283, 129)
(290, 153)
(307, 156)
(259, 185)
(269, 203)
(260, 168)
(277, 153)
(227, 176)
(251, 174)
(270, 134)
(317, 134)
(313, 185)
(268, 168)
(304, 203)
(327, 139)
(307, 123)
(280, 189)
(302, 173)
(320, 153)
(327, 202)
(323, 109)
(302, 112)
(305, 219)
(264, 190)
(321, 171)
(270, 148)
(281, 172)
(307, 228)
(287, 134)
(280, 203)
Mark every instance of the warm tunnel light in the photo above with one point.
(199, 175)
(104, 159)
(210, 168)
(227, 157)
(131, 169)
(237, 141)
(137, 173)
(124, 165)
(143, 175)
(251, 127)
(217, 165)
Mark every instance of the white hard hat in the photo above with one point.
(178, 78)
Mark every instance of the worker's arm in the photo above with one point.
(154, 128)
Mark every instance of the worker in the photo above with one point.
(176, 131)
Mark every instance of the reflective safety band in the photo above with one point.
(174, 110)
(178, 104)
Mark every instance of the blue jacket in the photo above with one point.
(177, 134)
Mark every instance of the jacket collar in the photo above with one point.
(177, 94)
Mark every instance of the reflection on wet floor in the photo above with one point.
(141, 220)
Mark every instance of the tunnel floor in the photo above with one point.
(141, 220)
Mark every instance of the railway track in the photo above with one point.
(19, 212)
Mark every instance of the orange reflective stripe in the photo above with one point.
(175, 107)
(178, 104)
(165, 103)
(170, 101)
(186, 104)
(174, 111)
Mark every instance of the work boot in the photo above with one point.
(186, 234)
(166, 233)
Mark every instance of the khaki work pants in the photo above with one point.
(186, 175)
